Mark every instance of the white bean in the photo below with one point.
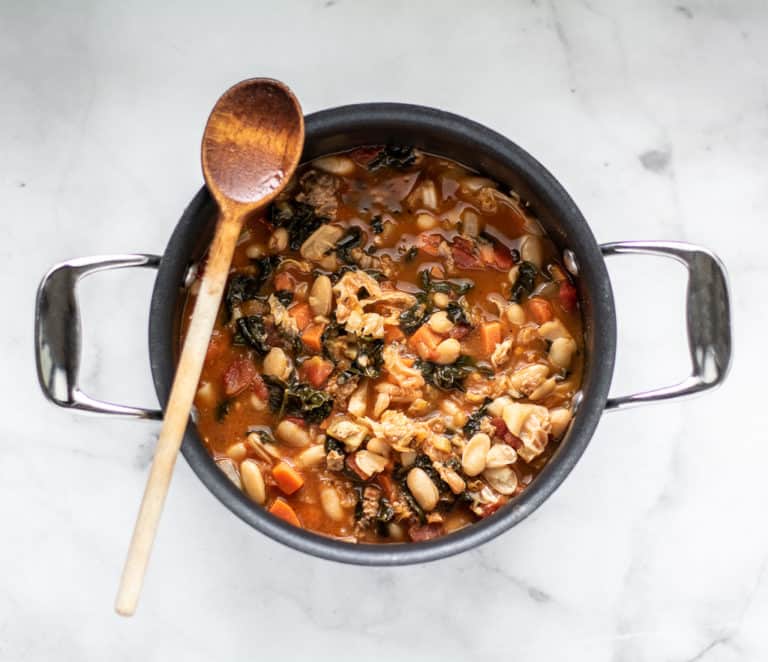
(515, 314)
(561, 352)
(278, 242)
(423, 489)
(559, 418)
(276, 364)
(254, 251)
(475, 452)
(378, 446)
(336, 165)
(206, 394)
(238, 451)
(329, 499)
(291, 434)
(447, 351)
(439, 322)
(502, 479)
(441, 299)
(500, 455)
(358, 401)
(426, 222)
(531, 250)
(253, 481)
(311, 457)
(320, 296)
(381, 404)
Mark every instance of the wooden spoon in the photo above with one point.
(251, 147)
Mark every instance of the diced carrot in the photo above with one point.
(284, 281)
(288, 479)
(393, 333)
(424, 341)
(312, 336)
(540, 310)
(281, 509)
(490, 336)
(302, 313)
(315, 371)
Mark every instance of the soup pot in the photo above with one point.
(57, 325)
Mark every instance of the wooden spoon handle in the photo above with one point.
(177, 412)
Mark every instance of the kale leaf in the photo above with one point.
(447, 377)
(299, 218)
(251, 331)
(298, 399)
(412, 318)
(393, 156)
(525, 281)
(377, 224)
(472, 426)
(351, 239)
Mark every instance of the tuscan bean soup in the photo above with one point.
(397, 352)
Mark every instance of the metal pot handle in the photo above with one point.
(58, 338)
(708, 318)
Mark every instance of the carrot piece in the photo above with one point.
(302, 314)
(288, 479)
(490, 336)
(316, 371)
(540, 310)
(393, 333)
(424, 341)
(312, 336)
(281, 509)
(284, 281)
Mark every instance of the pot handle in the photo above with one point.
(58, 338)
(708, 319)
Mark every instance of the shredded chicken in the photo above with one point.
(500, 354)
(403, 373)
(282, 318)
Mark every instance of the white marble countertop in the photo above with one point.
(655, 118)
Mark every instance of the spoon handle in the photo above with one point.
(177, 412)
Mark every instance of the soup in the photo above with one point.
(397, 352)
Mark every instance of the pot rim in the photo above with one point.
(490, 151)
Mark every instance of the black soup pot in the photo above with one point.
(57, 325)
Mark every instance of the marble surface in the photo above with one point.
(654, 115)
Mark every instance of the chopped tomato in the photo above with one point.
(501, 427)
(540, 310)
(316, 370)
(490, 508)
(284, 281)
(260, 388)
(217, 346)
(502, 256)
(429, 243)
(239, 376)
(425, 532)
(568, 296)
(364, 155)
(460, 331)
(464, 253)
